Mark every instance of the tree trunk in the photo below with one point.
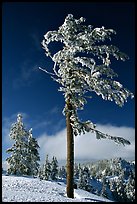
(70, 153)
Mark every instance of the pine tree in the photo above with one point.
(80, 180)
(46, 171)
(24, 152)
(120, 187)
(79, 73)
(40, 172)
(130, 189)
(17, 160)
(32, 155)
(104, 187)
(84, 179)
(54, 168)
(76, 171)
(62, 172)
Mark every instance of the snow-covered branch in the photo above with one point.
(118, 140)
(44, 70)
(83, 127)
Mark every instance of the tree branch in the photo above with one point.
(118, 140)
(44, 70)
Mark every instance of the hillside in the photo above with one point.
(27, 189)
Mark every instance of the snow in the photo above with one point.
(28, 189)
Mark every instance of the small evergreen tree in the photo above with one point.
(80, 180)
(76, 171)
(46, 171)
(104, 187)
(54, 168)
(32, 155)
(84, 179)
(120, 187)
(40, 173)
(130, 189)
(62, 172)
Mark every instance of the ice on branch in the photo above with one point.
(118, 140)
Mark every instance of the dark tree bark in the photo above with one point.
(70, 153)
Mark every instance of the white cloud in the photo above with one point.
(53, 145)
(87, 147)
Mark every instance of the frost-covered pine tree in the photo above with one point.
(40, 172)
(84, 179)
(120, 187)
(62, 172)
(80, 179)
(54, 168)
(33, 157)
(76, 170)
(130, 189)
(18, 151)
(24, 152)
(83, 65)
(104, 187)
(46, 170)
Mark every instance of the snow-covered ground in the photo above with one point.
(26, 189)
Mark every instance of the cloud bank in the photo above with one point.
(87, 147)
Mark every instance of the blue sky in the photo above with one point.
(27, 90)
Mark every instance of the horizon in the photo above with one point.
(77, 161)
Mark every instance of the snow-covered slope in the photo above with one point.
(26, 189)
